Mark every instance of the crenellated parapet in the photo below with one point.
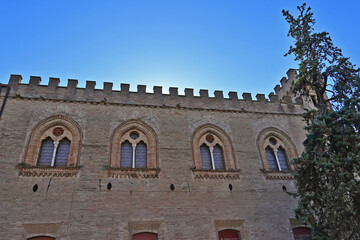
(286, 88)
(285, 91)
(278, 102)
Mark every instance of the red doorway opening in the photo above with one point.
(229, 235)
(145, 236)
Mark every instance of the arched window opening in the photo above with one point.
(276, 156)
(126, 155)
(62, 153)
(218, 157)
(283, 161)
(140, 155)
(46, 152)
(211, 153)
(276, 150)
(302, 233)
(133, 151)
(53, 149)
(145, 236)
(134, 147)
(229, 234)
(54, 153)
(272, 159)
(205, 157)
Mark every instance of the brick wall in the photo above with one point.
(81, 207)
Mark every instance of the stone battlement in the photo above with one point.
(279, 102)
(286, 84)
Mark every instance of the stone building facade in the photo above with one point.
(86, 163)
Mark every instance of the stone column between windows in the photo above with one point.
(212, 157)
(277, 159)
(133, 154)
(56, 144)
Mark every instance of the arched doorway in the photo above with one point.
(229, 234)
(145, 236)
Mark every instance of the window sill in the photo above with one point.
(133, 172)
(277, 175)
(216, 174)
(36, 171)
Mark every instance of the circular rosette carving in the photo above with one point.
(58, 131)
(210, 138)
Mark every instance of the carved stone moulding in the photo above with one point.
(216, 174)
(274, 175)
(48, 171)
(133, 172)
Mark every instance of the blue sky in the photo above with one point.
(217, 45)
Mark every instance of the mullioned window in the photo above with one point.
(133, 151)
(213, 154)
(276, 149)
(53, 148)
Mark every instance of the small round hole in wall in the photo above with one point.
(172, 187)
(230, 187)
(109, 186)
(35, 188)
(284, 188)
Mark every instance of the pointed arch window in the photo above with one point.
(276, 155)
(126, 155)
(212, 157)
(133, 151)
(46, 152)
(62, 152)
(54, 153)
(54, 144)
(213, 154)
(276, 150)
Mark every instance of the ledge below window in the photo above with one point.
(278, 175)
(216, 174)
(133, 172)
(48, 171)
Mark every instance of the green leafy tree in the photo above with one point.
(328, 171)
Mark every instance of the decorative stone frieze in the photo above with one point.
(133, 172)
(276, 175)
(33, 171)
(216, 174)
